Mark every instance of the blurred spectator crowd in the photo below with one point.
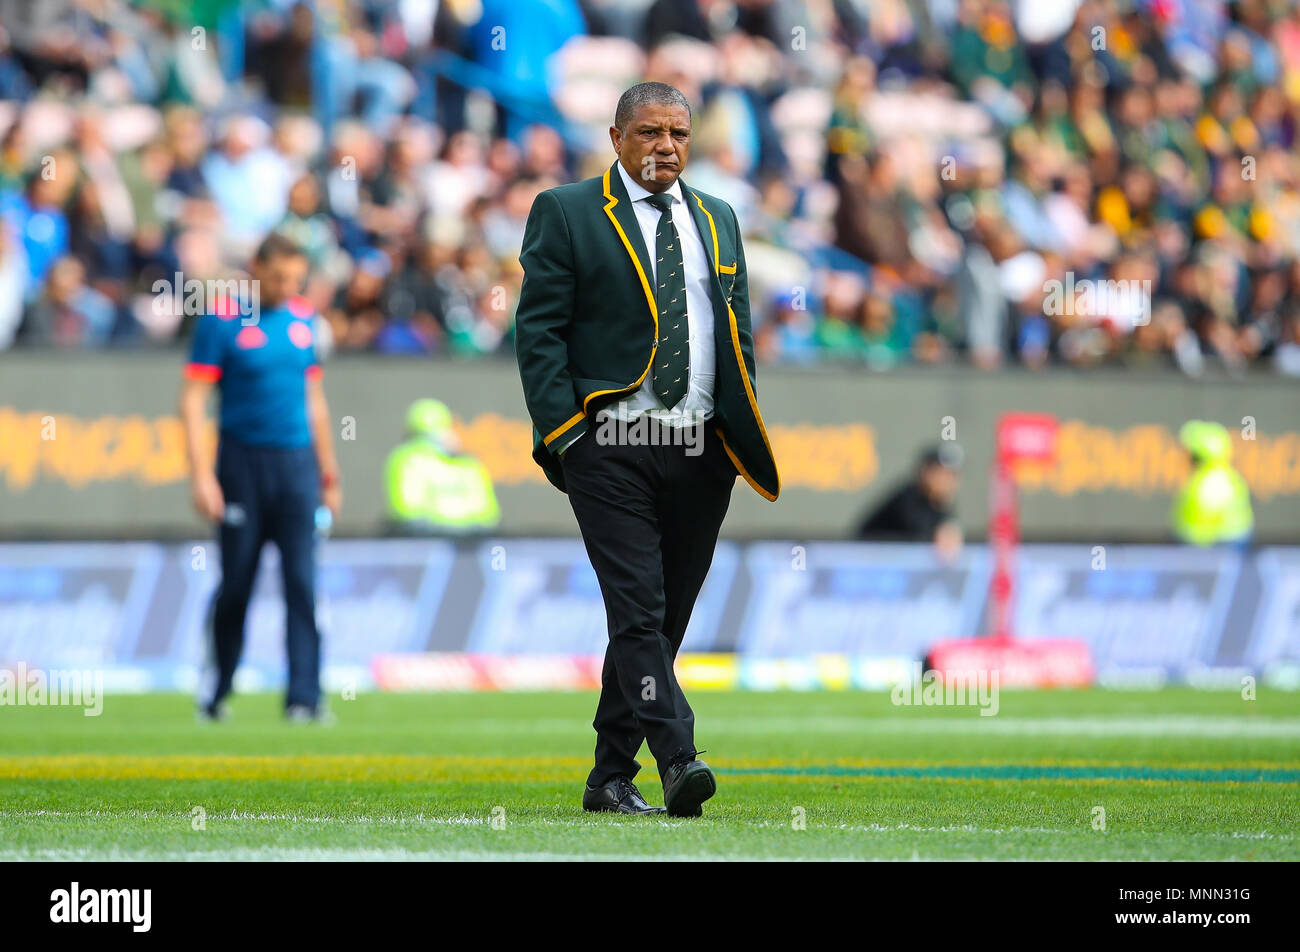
(913, 177)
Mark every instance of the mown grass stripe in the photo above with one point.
(1019, 772)
(381, 767)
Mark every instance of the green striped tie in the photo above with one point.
(673, 359)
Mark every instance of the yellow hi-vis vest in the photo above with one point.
(1214, 506)
(430, 489)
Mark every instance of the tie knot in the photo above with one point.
(663, 201)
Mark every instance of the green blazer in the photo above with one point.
(587, 328)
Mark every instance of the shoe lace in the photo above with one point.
(625, 787)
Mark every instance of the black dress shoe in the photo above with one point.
(687, 784)
(213, 713)
(616, 795)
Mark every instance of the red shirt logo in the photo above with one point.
(250, 338)
(300, 334)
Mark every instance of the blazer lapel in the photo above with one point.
(709, 237)
(618, 208)
(704, 222)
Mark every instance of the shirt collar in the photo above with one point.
(637, 192)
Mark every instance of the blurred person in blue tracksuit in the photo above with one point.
(275, 465)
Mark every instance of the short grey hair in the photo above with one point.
(647, 94)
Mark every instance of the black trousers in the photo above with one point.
(649, 516)
(271, 495)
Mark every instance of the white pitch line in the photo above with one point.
(255, 854)
(260, 817)
(1029, 830)
(660, 823)
(1154, 726)
(971, 722)
(1016, 830)
(418, 820)
(1161, 725)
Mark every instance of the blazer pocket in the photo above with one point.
(724, 269)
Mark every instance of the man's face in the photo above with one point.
(939, 483)
(280, 278)
(654, 147)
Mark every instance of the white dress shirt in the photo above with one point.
(697, 405)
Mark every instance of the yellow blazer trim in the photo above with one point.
(758, 417)
(723, 269)
(744, 375)
(713, 229)
(563, 428)
(645, 286)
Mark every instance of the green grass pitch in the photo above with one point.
(1176, 774)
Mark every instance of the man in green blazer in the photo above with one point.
(637, 361)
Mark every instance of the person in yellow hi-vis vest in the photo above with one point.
(1214, 504)
(432, 486)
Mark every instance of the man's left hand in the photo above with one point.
(333, 498)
